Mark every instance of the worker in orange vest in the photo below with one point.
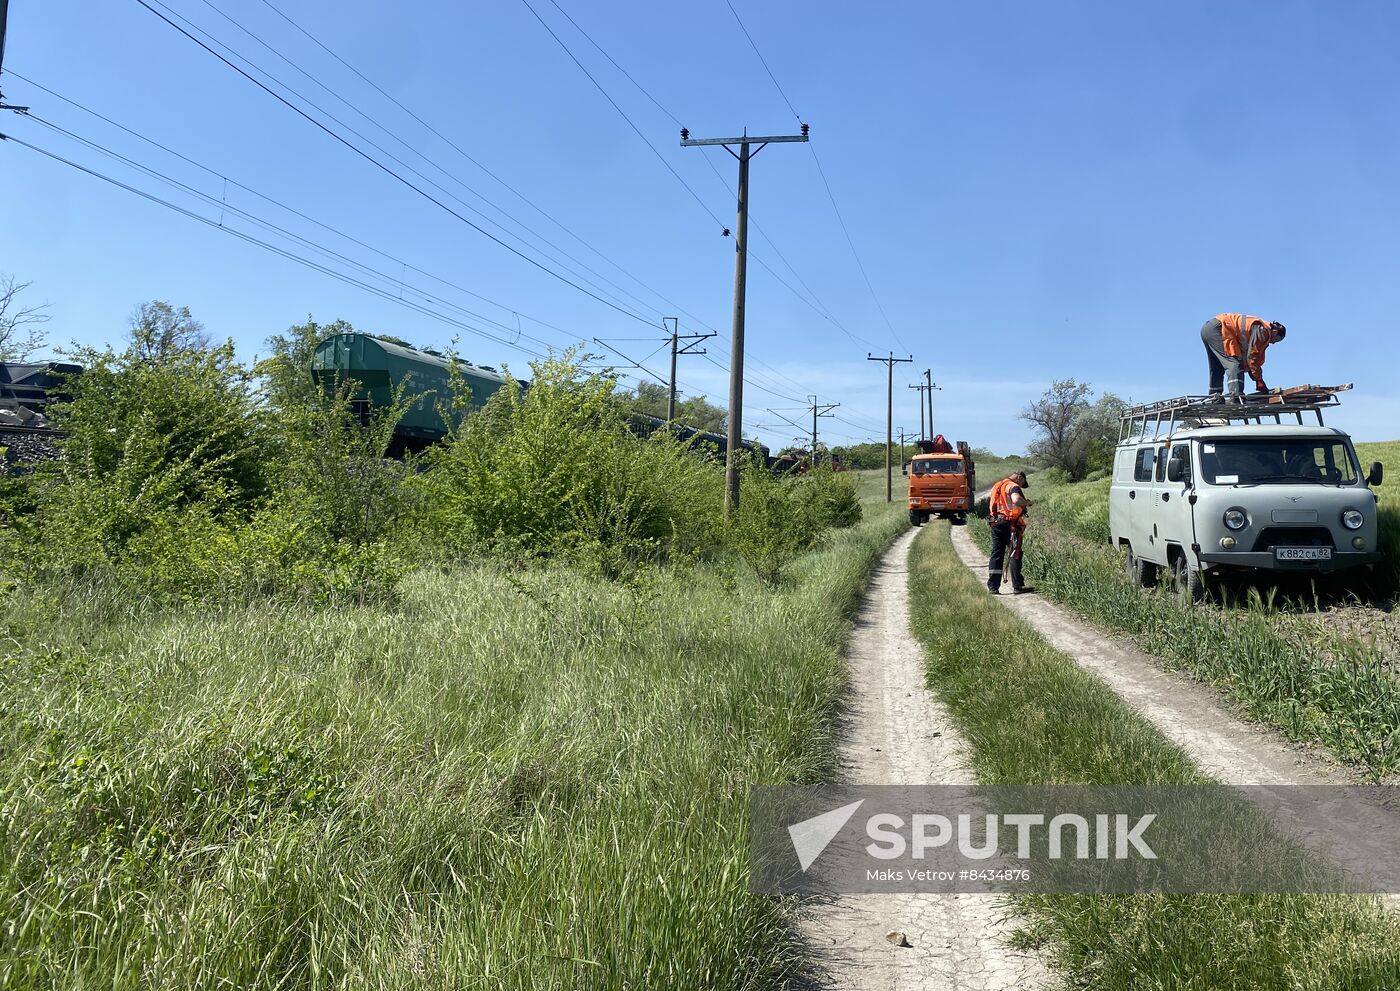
(1006, 515)
(1235, 344)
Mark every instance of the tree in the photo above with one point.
(1074, 434)
(692, 411)
(20, 335)
(159, 331)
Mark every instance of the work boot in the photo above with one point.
(1024, 589)
(995, 590)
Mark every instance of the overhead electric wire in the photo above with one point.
(812, 300)
(290, 255)
(453, 177)
(390, 132)
(822, 172)
(322, 250)
(386, 169)
(675, 307)
(275, 202)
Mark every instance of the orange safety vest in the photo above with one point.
(1234, 332)
(999, 507)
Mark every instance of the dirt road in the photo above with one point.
(896, 732)
(1230, 750)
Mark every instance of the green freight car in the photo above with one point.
(378, 366)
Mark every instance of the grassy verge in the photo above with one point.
(1315, 684)
(509, 779)
(1032, 716)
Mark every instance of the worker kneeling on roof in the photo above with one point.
(1006, 515)
(1235, 344)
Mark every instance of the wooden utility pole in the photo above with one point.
(929, 387)
(818, 410)
(4, 19)
(920, 387)
(741, 263)
(890, 362)
(676, 338)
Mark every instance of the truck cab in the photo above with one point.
(942, 481)
(1200, 496)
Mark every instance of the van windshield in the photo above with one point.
(947, 466)
(1282, 460)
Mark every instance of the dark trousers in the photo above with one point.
(1005, 537)
(1223, 368)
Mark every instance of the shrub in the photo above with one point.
(553, 471)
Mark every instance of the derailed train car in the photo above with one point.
(379, 367)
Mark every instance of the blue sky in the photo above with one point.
(1037, 190)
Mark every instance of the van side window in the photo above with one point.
(1162, 466)
(1143, 473)
(1183, 453)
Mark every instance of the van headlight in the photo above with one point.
(1235, 518)
(1352, 519)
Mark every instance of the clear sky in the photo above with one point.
(1037, 190)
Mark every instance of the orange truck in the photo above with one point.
(942, 481)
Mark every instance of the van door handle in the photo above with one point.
(1132, 493)
(1166, 497)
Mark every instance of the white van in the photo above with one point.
(1202, 488)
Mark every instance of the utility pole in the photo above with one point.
(818, 410)
(676, 338)
(920, 387)
(928, 377)
(4, 19)
(890, 362)
(741, 263)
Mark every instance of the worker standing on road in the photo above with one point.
(1235, 344)
(1006, 515)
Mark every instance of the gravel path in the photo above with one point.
(895, 732)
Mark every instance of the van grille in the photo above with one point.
(1294, 536)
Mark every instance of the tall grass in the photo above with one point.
(509, 779)
(1032, 716)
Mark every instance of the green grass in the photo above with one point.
(1032, 716)
(510, 779)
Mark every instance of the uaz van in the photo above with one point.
(1202, 489)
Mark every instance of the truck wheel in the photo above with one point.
(960, 519)
(1189, 584)
(915, 518)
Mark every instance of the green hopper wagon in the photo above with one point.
(378, 366)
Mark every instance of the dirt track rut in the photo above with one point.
(896, 732)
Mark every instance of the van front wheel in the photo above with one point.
(1190, 584)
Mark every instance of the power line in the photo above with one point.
(622, 113)
(223, 177)
(814, 301)
(386, 169)
(309, 263)
(776, 84)
(429, 160)
(822, 172)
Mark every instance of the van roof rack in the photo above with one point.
(1146, 421)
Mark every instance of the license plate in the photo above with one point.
(1302, 553)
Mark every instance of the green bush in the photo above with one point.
(180, 480)
(553, 471)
